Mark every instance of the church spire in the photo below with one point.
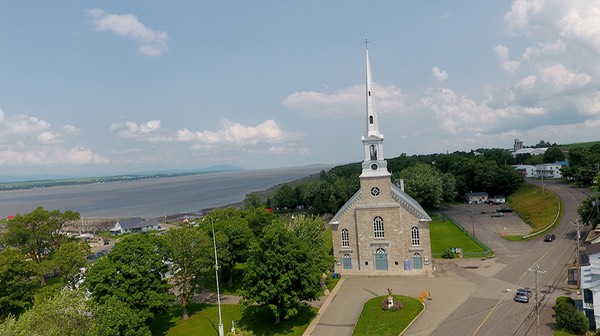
(372, 126)
(374, 163)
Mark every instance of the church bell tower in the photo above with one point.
(373, 164)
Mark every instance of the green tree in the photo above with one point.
(284, 197)
(423, 183)
(553, 154)
(133, 274)
(233, 237)
(115, 318)
(258, 219)
(69, 259)
(68, 313)
(37, 234)
(280, 273)
(571, 319)
(189, 249)
(253, 201)
(589, 210)
(16, 289)
(311, 231)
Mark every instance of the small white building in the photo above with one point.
(130, 225)
(525, 170)
(476, 197)
(531, 151)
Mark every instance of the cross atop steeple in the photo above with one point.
(366, 44)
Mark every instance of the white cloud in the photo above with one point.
(346, 102)
(29, 141)
(439, 74)
(560, 78)
(236, 134)
(149, 131)
(151, 43)
(510, 66)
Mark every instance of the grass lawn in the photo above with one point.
(375, 321)
(537, 207)
(445, 235)
(204, 320)
(562, 333)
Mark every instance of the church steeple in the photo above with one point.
(373, 163)
(372, 126)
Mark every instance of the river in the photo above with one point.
(152, 198)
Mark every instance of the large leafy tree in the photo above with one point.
(280, 273)
(553, 154)
(233, 237)
(189, 250)
(132, 273)
(16, 288)
(37, 234)
(115, 318)
(68, 313)
(589, 210)
(69, 259)
(424, 183)
(311, 231)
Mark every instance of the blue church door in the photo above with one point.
(417, 261)
(347, 261)
(381, 262)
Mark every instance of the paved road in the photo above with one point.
(474, 296)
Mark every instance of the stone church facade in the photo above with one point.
(380, 230)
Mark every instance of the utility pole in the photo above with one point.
(221, 331)
(536, 269)
(577, 225)
(472, 223)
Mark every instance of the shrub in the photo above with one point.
(566, 299)
(570, 319)
(396, 305)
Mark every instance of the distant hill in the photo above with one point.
(44, 181)
(580, 144)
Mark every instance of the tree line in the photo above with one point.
(121, 293)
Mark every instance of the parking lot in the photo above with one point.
(486, 218)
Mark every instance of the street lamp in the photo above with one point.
(221, 332)
(537, 303)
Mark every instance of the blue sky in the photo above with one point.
(104, 87)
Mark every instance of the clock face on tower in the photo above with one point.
(375, 191)
(374, 166)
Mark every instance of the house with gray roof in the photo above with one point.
(136, 224)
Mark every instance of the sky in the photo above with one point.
(107, 87)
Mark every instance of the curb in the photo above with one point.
(313, 324)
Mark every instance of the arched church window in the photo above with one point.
(370, 119)
(345, 238)
(378, 231)
(415, 236)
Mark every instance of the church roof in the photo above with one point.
(399, 196)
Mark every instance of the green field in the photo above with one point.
(445, 235)
(536, 206)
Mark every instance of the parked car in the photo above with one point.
(524, 291)
(519, 297)
(549, 237)
(505, 210)
(497, 214)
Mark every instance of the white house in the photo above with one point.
(525, 170)
(130, 225)
(590, 283)
(548, 170)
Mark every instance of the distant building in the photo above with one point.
(477, 197)
(548, 170)
(525, 170)
(518, 145)
(497, 199)
(130, 225)
(380, 230)
(590, 283)
(531, 151)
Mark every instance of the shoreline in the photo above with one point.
(264, 195)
